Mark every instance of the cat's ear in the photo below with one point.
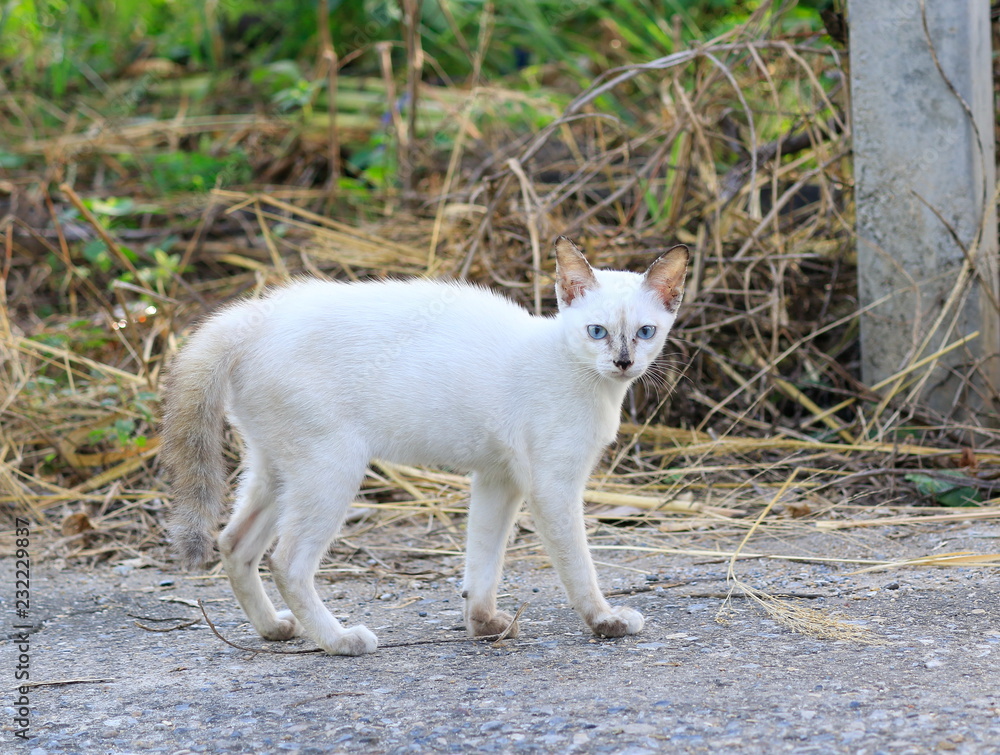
(666, 276)
(574, 276)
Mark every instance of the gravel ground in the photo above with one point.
(686, 684)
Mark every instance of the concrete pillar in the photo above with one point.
(920, 167)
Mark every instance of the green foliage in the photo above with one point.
(268, 51)
(376, 161)
(82, 335)
(274, 78)
(944, 491)
(96, 253)
(162, 271)
(9, 160)
(199, 171)
(58, 46)
(118, 432)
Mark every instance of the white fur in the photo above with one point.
(321, 377)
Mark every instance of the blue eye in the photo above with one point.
(597, 331)
(646, 331)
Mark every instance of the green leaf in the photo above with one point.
(945, 492)
(112, 206)
(10, 160)
(96, 253)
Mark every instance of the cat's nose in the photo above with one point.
(623, 364)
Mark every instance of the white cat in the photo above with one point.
(321, 377)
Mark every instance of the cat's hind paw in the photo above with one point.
(285, 627)
(357, 640)
(619, 622)
(480, 626)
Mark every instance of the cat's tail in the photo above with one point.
(193, 424)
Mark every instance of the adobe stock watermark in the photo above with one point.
(22, 628)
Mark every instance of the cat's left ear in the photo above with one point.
(666, 276)
(574, 275)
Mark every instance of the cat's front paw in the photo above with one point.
(357, 640)
(618, 622)
(285, 627)
(486, 626)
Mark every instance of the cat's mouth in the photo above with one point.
(630, 372)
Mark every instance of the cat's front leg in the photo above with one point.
(618, 621)
(558, 513)
(492, 509)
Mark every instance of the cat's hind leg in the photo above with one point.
(313, 505)
(557, 509)
(493, 506)
(242, 545)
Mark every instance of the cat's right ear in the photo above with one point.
(666, 276)
(574, 276)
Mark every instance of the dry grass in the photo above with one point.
(758, 402)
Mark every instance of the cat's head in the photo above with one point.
(618, 321)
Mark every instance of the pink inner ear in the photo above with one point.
(666, 278)
(574, 274)
(668, 294)
(574, 286)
